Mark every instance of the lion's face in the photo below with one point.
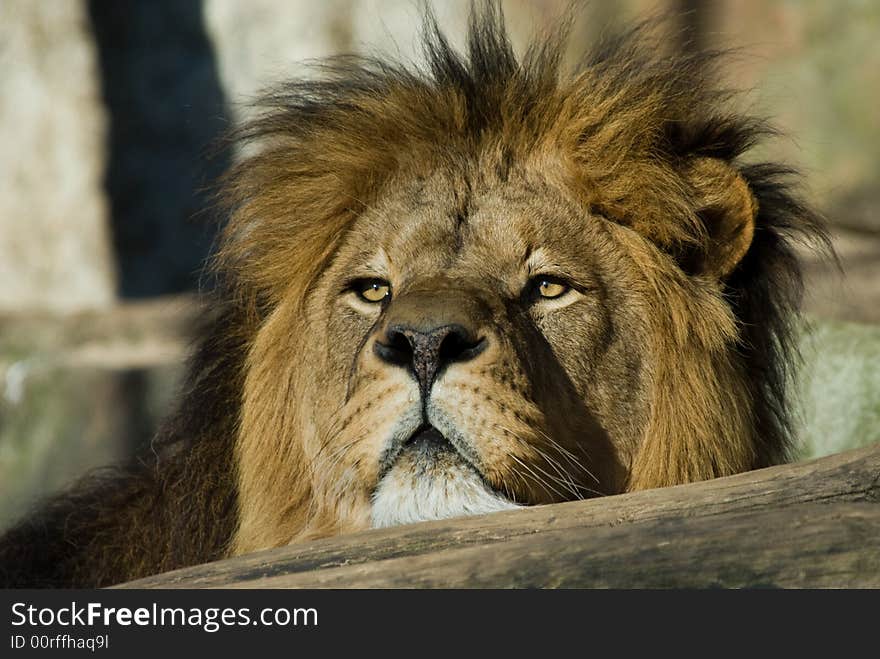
(473, 353)
(493, 285)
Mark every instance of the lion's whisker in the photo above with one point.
(567, 480)
(562, 478)
(548, 486)
(568, 454)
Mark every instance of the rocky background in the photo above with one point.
(109, 108)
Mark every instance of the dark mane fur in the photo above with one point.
(630, 125)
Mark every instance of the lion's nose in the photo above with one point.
(427, 351)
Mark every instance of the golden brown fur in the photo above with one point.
(665, 363)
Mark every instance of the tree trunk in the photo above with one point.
(811, 524)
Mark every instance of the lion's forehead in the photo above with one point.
(427, 230)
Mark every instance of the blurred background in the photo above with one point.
(107, 112)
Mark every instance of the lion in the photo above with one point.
(472, 287)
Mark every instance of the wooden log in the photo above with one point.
(808, 524)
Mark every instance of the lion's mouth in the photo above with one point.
(427, 437)
(426, 449)
(428, 477)
(423, 446)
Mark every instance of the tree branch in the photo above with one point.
(810, 524)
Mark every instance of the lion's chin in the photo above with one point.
(428, 481)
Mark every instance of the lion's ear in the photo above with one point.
(727, 209)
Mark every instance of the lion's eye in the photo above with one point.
(372, 290)
(550, 288)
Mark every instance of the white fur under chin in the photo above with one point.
(411, 493)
